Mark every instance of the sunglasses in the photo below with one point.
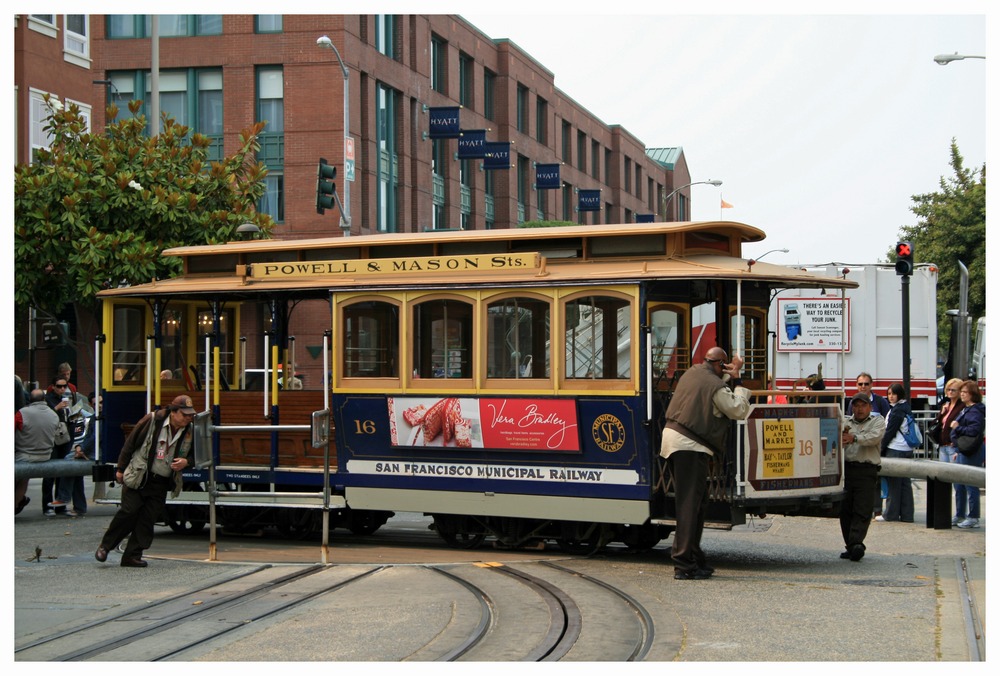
(59, 386)
(864, 384)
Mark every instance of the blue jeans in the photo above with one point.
(967, 497)
(947, 453)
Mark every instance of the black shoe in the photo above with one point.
(857, 552)
(101, 554)
(21, 505)
(845, 555)
(696, 574)
(135, 562)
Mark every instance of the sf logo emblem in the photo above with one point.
(609, 433)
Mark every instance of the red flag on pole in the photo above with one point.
(725, 204)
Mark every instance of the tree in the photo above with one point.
(96, 210)
(951, 227)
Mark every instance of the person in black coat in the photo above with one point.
(60, 399)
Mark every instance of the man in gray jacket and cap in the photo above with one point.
(862, 442)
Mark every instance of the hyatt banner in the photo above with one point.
(547, 177)
(444, 122)
(472, 144)
(497, 155)
(590, 200)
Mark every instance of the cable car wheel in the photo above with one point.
(456, 531)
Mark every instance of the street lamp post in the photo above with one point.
(945, 59)
(666, 200)
(345, 212)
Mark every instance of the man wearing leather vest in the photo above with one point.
(150, 464)
(708, 396)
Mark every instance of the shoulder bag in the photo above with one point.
(62, 434)
(969, 445)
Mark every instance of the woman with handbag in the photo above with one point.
(899, 501)
(940, 432)
(968, 434)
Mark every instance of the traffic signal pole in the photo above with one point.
(905, 304)
(904, 268)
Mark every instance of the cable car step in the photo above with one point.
(714, 525)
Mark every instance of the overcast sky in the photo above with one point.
(820, 127)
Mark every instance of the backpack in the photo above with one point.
(911, 432)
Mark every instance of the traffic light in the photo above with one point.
(904, 258)
(325, 187)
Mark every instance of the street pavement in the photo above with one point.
(780, 594)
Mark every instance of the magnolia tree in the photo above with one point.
(952, 228)
(96, 210)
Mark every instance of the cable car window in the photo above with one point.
(128, 365)
(598, 338)
(225, 343)
(370, 340)
(442, 339)
(669, 333)
(517, 338)
(172, 358)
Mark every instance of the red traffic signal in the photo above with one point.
(904, 258)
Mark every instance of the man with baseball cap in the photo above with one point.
(151, 462)
(862, 443)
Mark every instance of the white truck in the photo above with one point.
(811, 331)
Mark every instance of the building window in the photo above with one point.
(595, 160)
(581, 151)
(566, 131)
(272, 202)
(386, 140)
(271, 110)
(638, 180)
(271, 99)
(439, 74)
(522, 109)
(489, 93)
(268, 23)
(541, 120)
(40, 139)
(210, 102)
(628, 175)
(123, 26)
(567, 202)
(439, 198)
(44, 24)
(465, 72)
(173, 95)
(385, 34)
(465, 182)
(523, 181)
(488, 193)
(76, 41)
(169, 25)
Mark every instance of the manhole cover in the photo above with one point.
(889, 583)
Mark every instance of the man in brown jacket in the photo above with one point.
(708, 396)
(150, 464)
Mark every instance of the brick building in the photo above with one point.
(221, 73)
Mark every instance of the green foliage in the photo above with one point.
(97, 210)
(951, 227)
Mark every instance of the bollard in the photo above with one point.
(938, 504)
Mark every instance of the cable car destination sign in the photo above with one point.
(393, 266)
